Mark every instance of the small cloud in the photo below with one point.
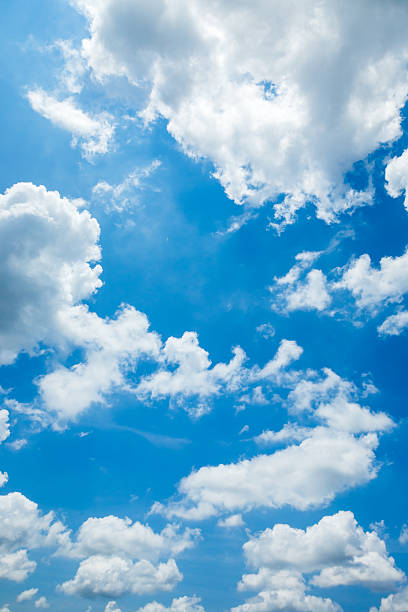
(235, 520)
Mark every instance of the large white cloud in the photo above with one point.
(47, 248)
(115, 576)
(336, 546)
(302, 476)
(335, 551)
(246, 87)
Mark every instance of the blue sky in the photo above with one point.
(204, 306)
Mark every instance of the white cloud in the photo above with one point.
(27, 595)
(112, 606)
(281, 591)
(302, 476)
(4, 425)
(47, 246)
(235, 520)
(335, 551)
(180, 604)
(23, 527)
(336, 547)
(396, 177)
(397, 602)
(394, 324)
(42, 602)
(247, 87)
(329, 398)
(16, 566)
(298, 290)
(93, 134)
(112, 349)
(193, 375)
(112, 535)
(373, 287)
(114, 576)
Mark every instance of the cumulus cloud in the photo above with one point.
(336, 547)
(115, 576)
(373, 287)
(281, 590)
(112, 535)
(242, 90)
(93, 133)
(48, 248)
(291, 292)
(396, 177)
(302, 476)
(396, 602)
(192, 375)
(180, 604)
(335, 551)
(23, 528)
(112, 348)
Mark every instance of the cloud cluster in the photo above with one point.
(248, 90)
(120, 557)
(336, 551)
(329, 446)
(372, 288)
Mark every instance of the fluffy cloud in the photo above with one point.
(291, 293)
(121, 557)
(112, 535)
(302, 476)
(22, 528)
(331, 399)
(112, 349)
(335, 551)
(47, 247)
(372, 287)
(394, 324)
(397, 602)
(248, 90)
(396, 177)
(92, 133)
(281, 591)
(336, 546)
(180, 604)
(192, 375)
(114, 576)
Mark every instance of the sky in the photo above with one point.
(204, 306)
